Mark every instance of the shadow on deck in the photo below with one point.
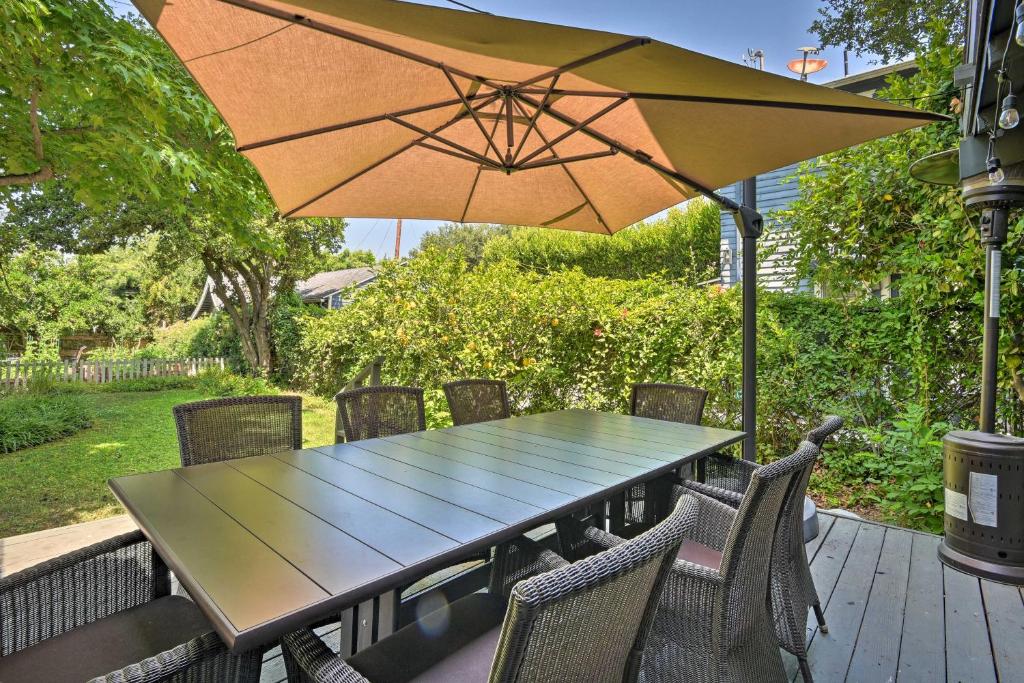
(894, 612)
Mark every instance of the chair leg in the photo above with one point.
(820, 616)
(805, 671)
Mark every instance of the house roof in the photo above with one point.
(324, 284)
(869, 81)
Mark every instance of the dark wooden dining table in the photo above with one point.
(268, 544)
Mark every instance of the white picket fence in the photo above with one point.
(15, 374)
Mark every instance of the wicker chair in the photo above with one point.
(713, 623)
(586, 621)
(105, 611)
(477, 400)
(374, 412)
(238, 427)
(649, 502)
(792, 587)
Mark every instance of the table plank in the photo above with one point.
(608, 441)
(631, 427)
(387, 532)
(504, 508)
(209, 552)
(551, 465)
(492, 481)
(435, 513)
(499, 429)
(309, 543)
(504, 441)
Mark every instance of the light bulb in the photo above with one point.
(995, 172)
(1009, 117)
(1018, 34)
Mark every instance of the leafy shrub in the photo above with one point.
(164, 383)
(683, 245)
(35, 417)
(226, 383)
(905, 461)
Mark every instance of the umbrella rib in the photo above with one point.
(479, 124)
(745, 102)
(457, 155)
(354, 37)
(476, 179)
(533, 119)
(444, 141)
(572, 178)
(389, 157)
(635, 154)
(358, 122)
(589, 59)
(553, 160)
(576, 128)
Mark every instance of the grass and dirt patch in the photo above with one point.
(65, 481)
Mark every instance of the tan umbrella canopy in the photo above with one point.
(375, 108)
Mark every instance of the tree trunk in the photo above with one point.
(247, 310)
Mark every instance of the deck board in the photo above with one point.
(922, 647)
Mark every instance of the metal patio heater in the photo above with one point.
(983, 471)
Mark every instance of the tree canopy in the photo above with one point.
(891, 29)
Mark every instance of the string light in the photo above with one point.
(995, 171)
(1018, 18)
(1009, 117)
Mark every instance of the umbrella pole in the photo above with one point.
(750, 225)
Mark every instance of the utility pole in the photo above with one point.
(398, 240)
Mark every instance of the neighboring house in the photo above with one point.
(776, 190)
(329, 290)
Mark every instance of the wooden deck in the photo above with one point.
(894, 612)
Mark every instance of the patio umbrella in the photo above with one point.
(373, 108)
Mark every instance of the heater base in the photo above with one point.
(1001, 573)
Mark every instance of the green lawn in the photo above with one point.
(65, 481)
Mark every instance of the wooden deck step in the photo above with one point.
(19, 552)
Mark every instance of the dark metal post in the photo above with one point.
(993, 235)
(749, 223)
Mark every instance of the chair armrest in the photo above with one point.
(730, 498)
(307, 658)
(201, 653)
(520, 559)
(714, 519)
(727, 472)
(78, 588)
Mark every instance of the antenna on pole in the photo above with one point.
(754, 59)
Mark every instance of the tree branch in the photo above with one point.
(45, 171)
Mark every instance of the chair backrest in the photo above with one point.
(671, 402)
(748, 549)
(589, 621)
(374, 412)
(829, 426)
(477, 400)
(237, 427)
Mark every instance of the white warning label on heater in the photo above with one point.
(956, 504)
(984, 498)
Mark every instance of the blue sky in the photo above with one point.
(724, 29)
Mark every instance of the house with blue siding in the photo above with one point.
(776, 191)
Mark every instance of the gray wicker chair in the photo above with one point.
(713, 623)
(375, 412)
(105, 611)
(792, 587)
(477, 400)
(648, 503)
(237, 427)
(586, 621)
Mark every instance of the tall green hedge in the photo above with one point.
(567, 339)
